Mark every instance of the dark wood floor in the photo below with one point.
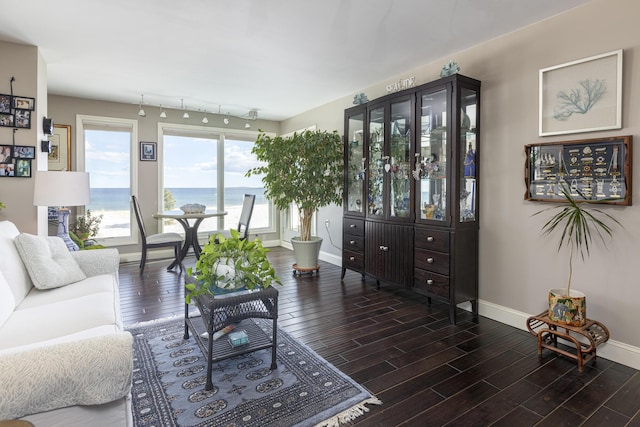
(426, 371)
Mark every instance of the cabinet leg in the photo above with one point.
(362, 278)
(378, 284)
(186, 327)
(344, 270)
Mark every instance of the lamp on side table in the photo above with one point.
(61, 188)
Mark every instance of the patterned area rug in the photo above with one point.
(170, 373)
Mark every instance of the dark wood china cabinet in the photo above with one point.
(411, 199)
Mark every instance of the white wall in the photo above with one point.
(517, 266)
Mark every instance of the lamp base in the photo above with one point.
(63, 229)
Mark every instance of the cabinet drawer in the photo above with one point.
(432, 261)
(354, 227)
(353, 260)
(353, 243)
(431, 283)
(435, 240)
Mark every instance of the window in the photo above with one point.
(105, 147)
(208, 166)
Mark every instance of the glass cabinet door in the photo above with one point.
(377, 162)
(468, 178)
(398, 166)
(431, 158)
(355, 164)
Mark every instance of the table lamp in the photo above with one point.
(60, 188)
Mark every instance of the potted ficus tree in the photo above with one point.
(577, 224)
(305, 169)
(228, 265)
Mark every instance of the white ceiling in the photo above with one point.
(280, 57)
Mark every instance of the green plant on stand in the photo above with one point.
(229, 265)
(84, 229)
(577, 225)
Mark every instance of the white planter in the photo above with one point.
(307, 252)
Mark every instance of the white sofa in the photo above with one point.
(65, 359)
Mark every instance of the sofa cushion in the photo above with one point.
(48, 261)
(11, 264)
(7, 301)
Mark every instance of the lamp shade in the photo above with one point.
(60, 188)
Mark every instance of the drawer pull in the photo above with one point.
(352, 258)
(352, 225)
(429, 281)
(430, 260)
(384, 248)
(430, 239)
(352, 242)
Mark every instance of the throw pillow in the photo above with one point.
(48, 261)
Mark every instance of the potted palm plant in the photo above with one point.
(228, 265)
(305, 169)
(577, 225)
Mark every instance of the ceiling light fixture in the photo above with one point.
(247, 125)
(163, 114)
(186, 114)
(226, 119)
(204, 119)
(141, 112)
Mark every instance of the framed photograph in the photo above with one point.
(22, 119)
(7, 170)
(24, 152)
(5, 154)
(23, 168)
(6, 120)
(5, 104)
(148, 151)
(60, 154)
(23, 103)
(581, 96)
(594, 170)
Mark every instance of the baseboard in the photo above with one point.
(616, 351)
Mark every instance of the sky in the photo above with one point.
(188, 162)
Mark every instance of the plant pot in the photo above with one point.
(570, 310)
(306, 252)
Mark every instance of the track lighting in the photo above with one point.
(204, 118)
(226, 119)
(186, 114)
(163, 114)
(247, 125)
(141, 112)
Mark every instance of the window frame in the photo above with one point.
(219, 134)
(81, 121)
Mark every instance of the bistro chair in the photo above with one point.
(156, 241)
(245, 216)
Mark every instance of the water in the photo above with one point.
(118, 199)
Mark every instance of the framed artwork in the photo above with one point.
(23, 168)
(581, 96)
(60, 154)
(6, 120)
(22, 119)
(7, 169)
(24, 103)
(5, 104)
(148, 151)
(594, 170)
(24, 152)
(5, 154)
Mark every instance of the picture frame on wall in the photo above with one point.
(60, 154)
(6, 154)
(7, 170)
(581, 96)
(23, 168)
(22, 119)
(6, 120)
(24, 103)
(5, 103)
(148, 151)
(24, 152)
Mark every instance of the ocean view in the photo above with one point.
(114, 205)
(117, 199)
